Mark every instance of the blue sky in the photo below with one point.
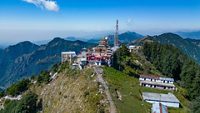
(39, 20)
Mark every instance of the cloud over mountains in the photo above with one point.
(50, 5)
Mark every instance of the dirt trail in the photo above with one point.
(100, 79)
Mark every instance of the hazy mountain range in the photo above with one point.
(26, 59)
(192, 34)
(194, 41)
(125, 37)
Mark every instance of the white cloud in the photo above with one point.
(45, 4)
(129, 22)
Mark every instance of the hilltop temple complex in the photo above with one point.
(100, 54)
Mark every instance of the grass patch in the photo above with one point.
(130, 90)
(180, 94)
(131, 93)
(153, 90)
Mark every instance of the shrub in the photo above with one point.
(44, 77)
(18, 87)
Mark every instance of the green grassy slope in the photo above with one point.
(131, 91)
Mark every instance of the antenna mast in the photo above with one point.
(116, 41)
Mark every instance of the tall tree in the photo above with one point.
(174, 63)
(28, 104)
(196, 105)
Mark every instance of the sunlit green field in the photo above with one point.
(131, 91)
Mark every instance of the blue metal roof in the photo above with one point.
(159, 108)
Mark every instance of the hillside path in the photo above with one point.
(99, 72)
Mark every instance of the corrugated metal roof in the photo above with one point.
(69, 52)
(159, 108)
(157, 77)
(160, 97)
(167, 79)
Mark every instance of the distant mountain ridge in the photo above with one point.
(10, 54)
(125, 37)
(191, 35)
(20, 49)
(128, 37)
(188, 46)
(1, 47)
(26, 59)
(194, 41)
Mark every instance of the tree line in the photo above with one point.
(171, 62)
